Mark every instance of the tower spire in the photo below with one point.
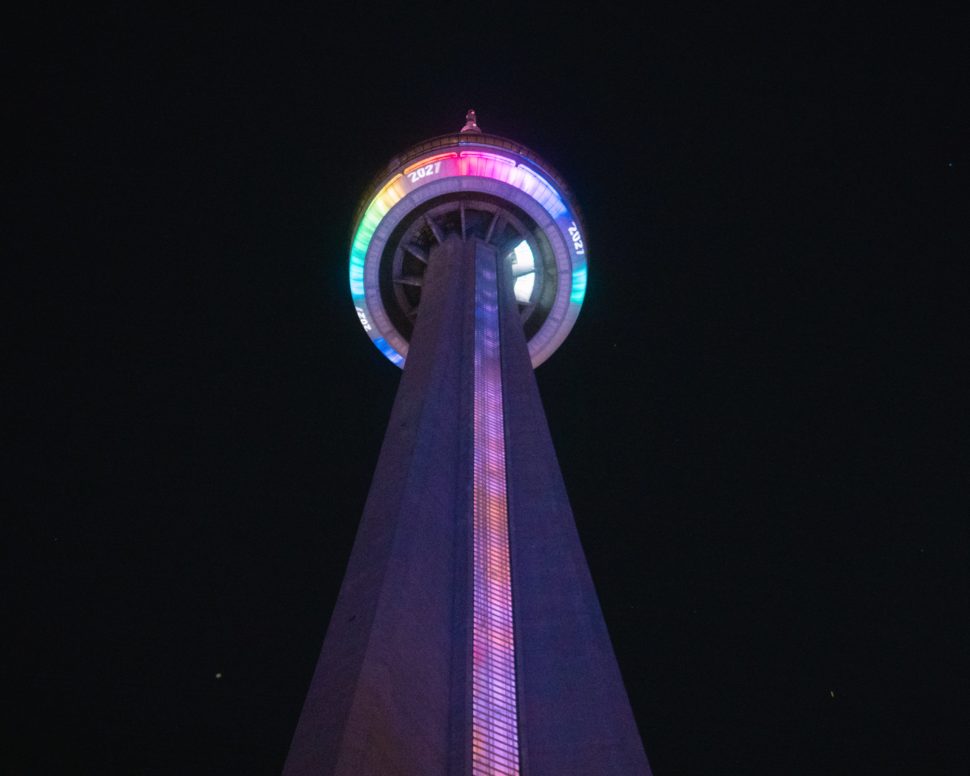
(471, 125)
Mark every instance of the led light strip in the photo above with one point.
(495, 738)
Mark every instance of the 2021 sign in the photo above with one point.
(424, 172)
(577, 239)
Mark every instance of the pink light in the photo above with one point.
(430, 160)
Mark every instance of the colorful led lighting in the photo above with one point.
(495, 742)
(486, 155)
(471, 163)
(388, 351)
(579, 285)
(429, 160)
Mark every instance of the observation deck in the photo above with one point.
(479, 187)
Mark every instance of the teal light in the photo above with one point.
(579, 285)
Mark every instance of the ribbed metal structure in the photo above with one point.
(495, 745)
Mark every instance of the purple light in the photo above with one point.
(495, 744)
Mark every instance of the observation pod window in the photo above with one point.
(524, 271)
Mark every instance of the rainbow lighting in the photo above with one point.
(495, 744)
(479, 165)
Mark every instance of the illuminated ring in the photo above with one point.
(470, 170)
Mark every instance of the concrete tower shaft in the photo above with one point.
(467, 637)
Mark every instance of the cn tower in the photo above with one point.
(467, 637)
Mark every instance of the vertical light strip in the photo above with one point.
(495, 736)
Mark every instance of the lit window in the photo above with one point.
(523, 269)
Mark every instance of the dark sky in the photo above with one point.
(752, 413)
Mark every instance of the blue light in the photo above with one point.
(388, 351)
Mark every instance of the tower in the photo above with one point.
(467, 637)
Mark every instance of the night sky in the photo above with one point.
(752, 413)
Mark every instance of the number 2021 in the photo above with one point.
(423, 172)
(577, 239)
